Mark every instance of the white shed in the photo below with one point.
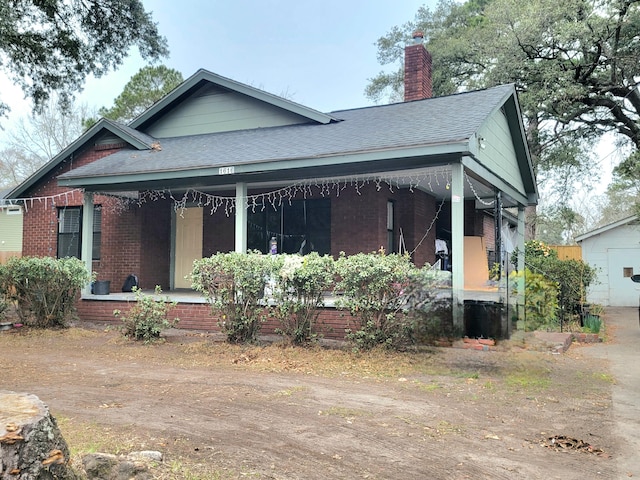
(614, 250)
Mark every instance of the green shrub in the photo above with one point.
(592, 323)
(148, 317)
(573, 277)
(234, 284)
(428, 302)
(541, 300)
(372, 288)
(44, 289)
(300, 284)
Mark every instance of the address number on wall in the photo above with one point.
(226, 170)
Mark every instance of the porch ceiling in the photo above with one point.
(433, 180)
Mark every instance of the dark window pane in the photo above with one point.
(97, 232)
(299, 226)
(70, 232)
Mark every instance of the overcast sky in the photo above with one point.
(318, 53)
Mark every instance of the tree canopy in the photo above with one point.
(574, 64)
(52, 45)
(144, 89)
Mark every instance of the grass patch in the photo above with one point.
(427, 387)
(604, 377)
(291, 391)
(534, 379)
(345, 412)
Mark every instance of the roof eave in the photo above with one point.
(514, 116)
(410, 155)
(73, 147)
(606, 228)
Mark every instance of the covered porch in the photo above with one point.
(402, 211)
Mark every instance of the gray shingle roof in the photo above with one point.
(428, 122)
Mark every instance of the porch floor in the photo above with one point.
(185, 295)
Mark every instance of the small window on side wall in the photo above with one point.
(627, 272)
(70, 232)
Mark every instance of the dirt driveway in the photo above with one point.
(218, 411)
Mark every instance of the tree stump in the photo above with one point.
(31, 445)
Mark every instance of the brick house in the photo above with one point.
(219, 166)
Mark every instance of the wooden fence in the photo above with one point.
(568, 252)
(4, 256)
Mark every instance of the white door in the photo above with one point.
(188, 244)
(623, 262)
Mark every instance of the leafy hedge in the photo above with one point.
(148, 317)
(234, 284)
(44, 289)
(393, 302)
(573, 277)
(372, 289)
(299, 286)
(541, 300)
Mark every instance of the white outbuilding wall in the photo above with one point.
(614, 250)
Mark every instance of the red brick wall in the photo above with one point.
(414, 213)
(359, 222)
(156, 244)
(40, 225)
(417, 73)
(197, 316)
(120, 254)
(489, 232)
(122, 230)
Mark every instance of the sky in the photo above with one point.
(319, 54)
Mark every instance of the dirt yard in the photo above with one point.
(218, 411)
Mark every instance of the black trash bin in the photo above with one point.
(483, 319)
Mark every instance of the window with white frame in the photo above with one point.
(70, 232)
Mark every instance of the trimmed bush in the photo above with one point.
(372, 287)
(429, 303)
(44, 289)
(299, 285)
(233, 283)
(541, 300)
(148, 317)
(572, 277)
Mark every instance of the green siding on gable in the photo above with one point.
(10, 230)
(498, 154)
(218, 110)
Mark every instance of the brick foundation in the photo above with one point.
(197, 316)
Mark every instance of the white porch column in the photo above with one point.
(86, 252)
(241, 217)
(457, 243)
(521, 266)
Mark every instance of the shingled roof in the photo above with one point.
(440, 121)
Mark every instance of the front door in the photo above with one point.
(188, 246)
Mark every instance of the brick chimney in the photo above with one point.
(417, 70)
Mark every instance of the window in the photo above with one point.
(70, 232)
(390, 227)
(301, 226)
(627, 272)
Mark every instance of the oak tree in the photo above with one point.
(574, 64)
(52, 45)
